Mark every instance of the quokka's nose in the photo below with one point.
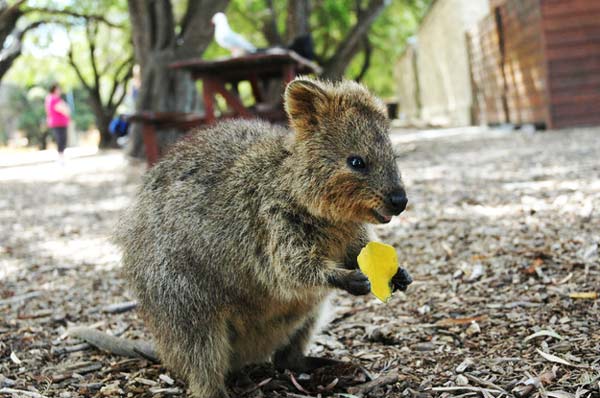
(398, 201)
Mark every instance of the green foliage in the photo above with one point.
(45, 49)
(330, 22)
(388, 37)
(28, 105)
(24, 110)
(82, 113)
(44, 59)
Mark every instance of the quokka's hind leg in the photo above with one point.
(291, 356)
(201, 354)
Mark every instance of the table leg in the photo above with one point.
(208, 94)
(256, 89)
(289, 73)
(234, 102)
(149, 138)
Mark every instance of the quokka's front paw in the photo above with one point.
(354, 282)
(401, 280)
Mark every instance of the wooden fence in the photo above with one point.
(538, 62)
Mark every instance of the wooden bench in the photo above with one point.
(153, 121)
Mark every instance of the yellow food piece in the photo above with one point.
(379, 263)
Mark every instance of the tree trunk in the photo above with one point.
(335, 67)
(103, 117)
(298, 14)
(9, 15)
(157, 45)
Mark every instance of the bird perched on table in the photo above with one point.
(229, 39)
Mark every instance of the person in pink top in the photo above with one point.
(58, 115)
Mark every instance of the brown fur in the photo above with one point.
(238, 235)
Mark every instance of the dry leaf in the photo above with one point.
(559, 394)
(15, 358)
(554, 358)
(584, 295)
(546, 333)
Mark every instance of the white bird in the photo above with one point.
(228, 39)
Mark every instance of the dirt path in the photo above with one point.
(502, 230)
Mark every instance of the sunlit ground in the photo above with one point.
(501, 226)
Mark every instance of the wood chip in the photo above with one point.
(460, 321)
(373, 384)
(464, 365)
(20, 297)
(465, 388)
(15, 358)
(473, 329)
(166, 391)
(166, 379)
(21, 393)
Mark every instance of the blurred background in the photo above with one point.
(90, 49)
(446, 63)
(495, 108)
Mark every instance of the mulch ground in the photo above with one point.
(501, 236)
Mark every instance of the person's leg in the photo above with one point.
(60, 136)
(61, 139)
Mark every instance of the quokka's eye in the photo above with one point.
(356, 163)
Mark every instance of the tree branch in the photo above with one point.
(368, 50)
(78, 72)
(196, 30)
(345, 51)
(122, 83)
(269, 28)
(91, 31)
(128, 63)
(8, 20)
(89, 17)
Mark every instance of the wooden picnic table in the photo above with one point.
(254, 68)
(216, 75)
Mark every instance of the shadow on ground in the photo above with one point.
(501, 233)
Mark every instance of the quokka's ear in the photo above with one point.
(305, 102)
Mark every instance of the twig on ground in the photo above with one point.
(20, 297)
(466, 388)
(115, 345)
(484, 383)
(533, 383)
(21, 393)
(371, 385)
(118, 308)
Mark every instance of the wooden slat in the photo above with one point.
(572, 36)
(569, 8)
(570, 52)
(576, 120)
(550, 65)
(486, 74)
(583, 20)
(524, 61)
